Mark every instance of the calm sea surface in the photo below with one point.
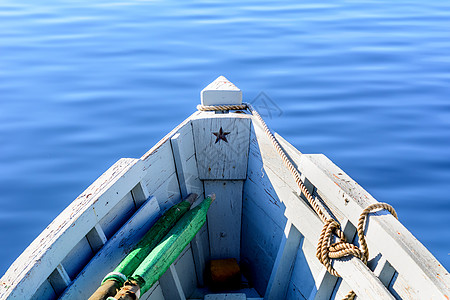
(84, 83)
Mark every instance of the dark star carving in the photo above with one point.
(221, 135)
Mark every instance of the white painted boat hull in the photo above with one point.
(258, 217)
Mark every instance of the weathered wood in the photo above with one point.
(325, 282)
(140, 194)
(179, 280)
(96, 238)
(187, 172)
(117, 215)
(45, 291)
(221, 91)
(282, 269)
(341, 289)
(77, 258)
(307, 271)
(155, 293)
(224, 218)
(303, 218)
(263, 222)
(399, 247)
(384, 271)
(185, 162)
(161, 178)
(200, 253)
(179, 163)
(261, 238)
(113, 252)
(170, 191)
(221, 145)
(171, 286)
(184, 265)
(59, 279)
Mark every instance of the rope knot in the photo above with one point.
(327, 251)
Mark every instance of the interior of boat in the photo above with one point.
(247, 221)
(260, 235)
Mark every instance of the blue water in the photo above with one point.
(84, 83)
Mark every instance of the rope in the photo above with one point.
(325, 250)
(221, 107)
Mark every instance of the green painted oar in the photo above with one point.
(154, 236)
(115, 280)
(171, 246)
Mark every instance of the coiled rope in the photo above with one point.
(325, 250)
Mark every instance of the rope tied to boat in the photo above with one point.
(325, 249)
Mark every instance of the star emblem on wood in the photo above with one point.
(221, 135)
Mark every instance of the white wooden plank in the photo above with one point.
(96, 238)
(192, 181)
(306, 271)
(168, 194)
(261, 238)
(341, 290)
(186, 271)
(307, 221)
(221, 145)
(200, 253)
(225, 236)
(77, 258)
(282, 269)
(325, 282)
(154, 293)
(171, 286)
(323, 289)
(293, 294)
(185, 162)
(259, 227)
(59, 279)
(256, 264)
(263, 221)
(258, 189)
(402, 289)
(221, 91)
(117, 215)
(140, 194)
(113, 252)
(186, 168)
(179, 164)
(160, 167)
(45, 291)
(161, 180)
(384, 271)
